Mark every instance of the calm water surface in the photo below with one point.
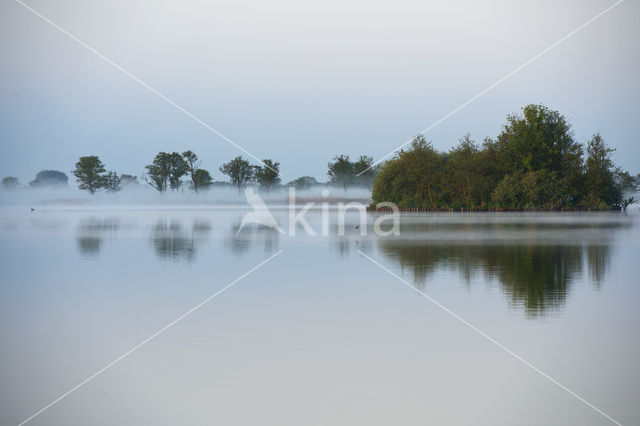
(319, 335)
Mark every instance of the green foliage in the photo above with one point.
(49, 178)
(126, 180)
(239, 171)
(267, 175)
(364, 171)
(202, 179)
(112, 182)
(166, 171)
(533, 164)
(303, 182)
(344, 172)
(193, 164)
(413, 179)
(341, 171)
(509, 194)
(600, 175)
(90, 173)
(9, 183)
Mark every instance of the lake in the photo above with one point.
(319, 334)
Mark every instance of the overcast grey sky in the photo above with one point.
(300, 82)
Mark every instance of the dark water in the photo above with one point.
(319, 334)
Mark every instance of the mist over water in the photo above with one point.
(144, 195)
(318, 325)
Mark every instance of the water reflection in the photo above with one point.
(536, 277)
(172, 240)
(535, 263)
(598, 257)
(92, 232)
(240, 243)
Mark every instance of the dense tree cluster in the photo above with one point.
(534, 163)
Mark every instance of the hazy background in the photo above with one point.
(302, 81)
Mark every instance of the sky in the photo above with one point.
(301, 82)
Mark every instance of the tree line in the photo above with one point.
(167, 171)
(534, 164)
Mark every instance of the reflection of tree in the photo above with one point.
(172, 241)
(240, 243)
(535, 276)
(89, 245)
(598, 260)
(91, 233)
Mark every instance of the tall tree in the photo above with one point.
(158, 172)
(341, 171)
(239, 171)
(89, 173)
(193, 165)
(267, 175)
(177, 169)
(600, 182)
(462, 184)
(539, 139)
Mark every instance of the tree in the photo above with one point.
(533, 164)
(9, 183)
(49, 178)
(341, 171)
(303, 182)
(112, 182)
(126, 180)
(599, 176)
(193, 165)
(89, 173)
(542, 139)
(202, 178)
(413, 179)
(267, 175)
(364, 171)
(627, 183)
(158, 172)
(177, 169)
(462, 169)
(539, 139)
(239, 171)
(166, 171)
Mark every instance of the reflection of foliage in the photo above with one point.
(598, 260)
(91, 234)
(89, 245)
(240, 244)
(535, 276)
(171, 241)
